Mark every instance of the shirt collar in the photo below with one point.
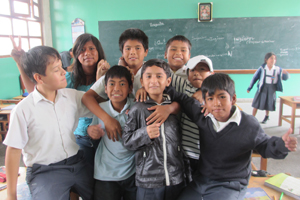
(235, 117)
(37, 96)
(115, 113)
(166, 99)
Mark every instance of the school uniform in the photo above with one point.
(225, 162)
(114, 169)
(44, 131)
(182, 72)
(270, 81)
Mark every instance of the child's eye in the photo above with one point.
(110, 84)
(223, 97)
(122, 84)
(183, 50)
(127, 48)
(158, 76)
(148, 76)
(173, 49)
(82, 50)
(208, 99)
(92, 48)
(138, 48)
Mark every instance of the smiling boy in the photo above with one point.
(227, 138)
(159, 162)
(115, 165)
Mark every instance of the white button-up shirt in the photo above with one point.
(43, 129)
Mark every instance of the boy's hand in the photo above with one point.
(17, 51)
(198, 96)
(113, 129)
(95, 131)
(102, 68)
(248, 91)
(160, 115)
(153, 130)
(122, 62)
(204, 110)
(290, 142)
(141, 95)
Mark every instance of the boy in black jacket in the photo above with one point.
(159, 162)
(227, 138)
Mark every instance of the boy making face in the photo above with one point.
(114, 164)
(223, 172)
(158, 147)
(178, 52)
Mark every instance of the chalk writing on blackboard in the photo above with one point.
(156, 25)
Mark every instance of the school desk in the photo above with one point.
(20, 97)
(288, 100)
(259, 182)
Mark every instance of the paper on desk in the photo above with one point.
(290, 184)
(8, 107)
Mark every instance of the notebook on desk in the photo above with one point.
(282, 182)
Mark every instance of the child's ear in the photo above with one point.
(105, 89)
(165, 55)
(169, 81)
(38, 78)
(233, 99)
(146, 53)
(142, 82)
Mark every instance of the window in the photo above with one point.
(20, 18)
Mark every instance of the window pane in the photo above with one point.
(19, 27)
(34, 29)
(5, 42)
(21, 8)
(35, 42)
(36, 1)
(25, 43)
(36, 11)
(4, 8)
(5, 26)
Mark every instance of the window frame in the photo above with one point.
(27, 18)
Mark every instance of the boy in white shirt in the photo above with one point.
(42, 130)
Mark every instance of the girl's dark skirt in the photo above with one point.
(266, 98)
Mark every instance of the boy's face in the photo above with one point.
(155, 80)
(117, 90)
(177, 54)
(219, 104)
(134, 53)
(88, 57)
(198, 74)
(55, 76)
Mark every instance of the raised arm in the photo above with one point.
(17, 53)
(113, 127)
(12, 163)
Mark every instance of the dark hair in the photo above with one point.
(179, 38)
(268, 55)
(37, 59)
(70, 50)
(133, 34)
(159, 63)
(217, 81)
(79, 77)
(119, 72)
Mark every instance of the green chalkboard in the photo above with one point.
(231, 43)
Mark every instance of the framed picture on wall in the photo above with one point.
(205, 12)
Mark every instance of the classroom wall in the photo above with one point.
(63, 12)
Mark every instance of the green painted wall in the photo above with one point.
(63, 12)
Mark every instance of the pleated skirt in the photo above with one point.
(266, 98)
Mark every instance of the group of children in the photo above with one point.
(148, 148)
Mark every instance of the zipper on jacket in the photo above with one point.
(165, 154)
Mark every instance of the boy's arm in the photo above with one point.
(17, 54)
(113, 127)
(162, 112)
(135, 137)
(12, 163)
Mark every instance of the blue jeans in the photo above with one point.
(89, 147)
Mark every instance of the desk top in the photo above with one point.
(4, 111)
(20, 97)
(259, 182)
(289, 98)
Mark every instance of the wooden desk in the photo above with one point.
(259, 182)
(294, 105)
(20, 97)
